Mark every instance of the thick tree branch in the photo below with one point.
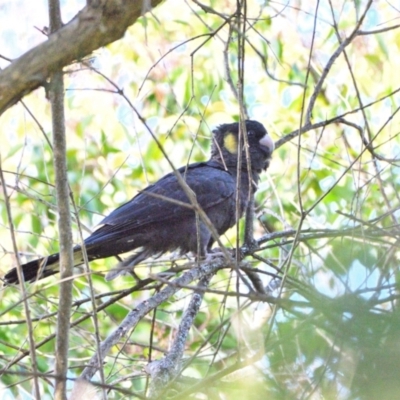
(100, 23)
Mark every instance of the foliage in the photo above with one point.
(330, 197)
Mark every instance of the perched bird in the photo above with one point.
(162, 218)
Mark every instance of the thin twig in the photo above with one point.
(24, 294)
(56, 93)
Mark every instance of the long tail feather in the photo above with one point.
(40, 268)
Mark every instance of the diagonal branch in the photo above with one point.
(98, 24)
(331, 61)
(163, 371)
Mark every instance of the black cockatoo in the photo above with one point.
(154, 225)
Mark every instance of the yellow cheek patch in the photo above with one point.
(230, 143)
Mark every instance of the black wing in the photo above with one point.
(209, 181)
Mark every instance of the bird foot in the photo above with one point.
(211, 255)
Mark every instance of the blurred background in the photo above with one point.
(332, 193)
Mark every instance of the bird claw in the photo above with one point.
(212, 255)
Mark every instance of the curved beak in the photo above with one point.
(267, 145)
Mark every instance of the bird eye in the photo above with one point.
(250, 133)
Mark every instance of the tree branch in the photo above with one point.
(96, 25)
(163, 371)
(56, 94)
(135, 316)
